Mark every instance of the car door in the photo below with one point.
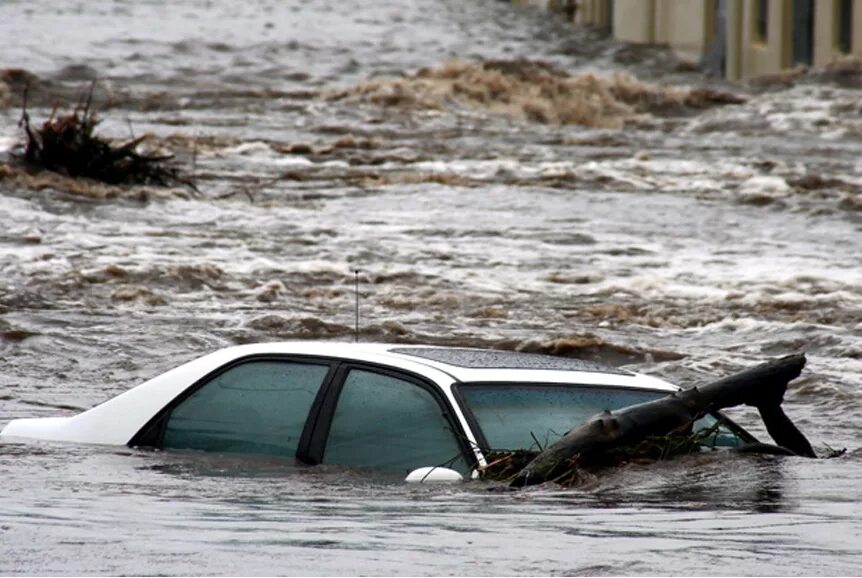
(387, 420)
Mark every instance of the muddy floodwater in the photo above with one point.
(499, 178)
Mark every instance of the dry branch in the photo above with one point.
(67, 144)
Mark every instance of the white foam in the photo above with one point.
(7, 143)
(250, 148)
(765, 184)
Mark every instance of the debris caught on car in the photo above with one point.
(632, 430)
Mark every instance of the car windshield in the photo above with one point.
(530, 416)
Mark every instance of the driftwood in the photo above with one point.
(66, 144)
(762, 387)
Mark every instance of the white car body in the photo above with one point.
(118, 420)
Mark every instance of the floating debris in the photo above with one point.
(66, 144)
(505, 466)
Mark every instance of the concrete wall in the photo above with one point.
(826, 31)
(594, 13)
(856, 47)
(685, 25)
(857, 27)
(770, 55)
(688, 26)
(733, 56)
(634, 20)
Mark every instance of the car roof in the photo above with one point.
(465, 364)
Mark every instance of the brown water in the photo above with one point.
(650, 227)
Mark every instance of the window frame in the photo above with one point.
(316, 448)
(482, 441)
(152, 434)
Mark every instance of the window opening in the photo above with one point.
(609, 17)
(803, 32)
(845, 25)
(761, 20)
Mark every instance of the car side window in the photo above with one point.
(259, 407)
(391, 424)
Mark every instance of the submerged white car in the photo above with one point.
(384, 406)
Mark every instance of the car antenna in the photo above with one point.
(356, 307)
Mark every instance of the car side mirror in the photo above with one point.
(433, 475)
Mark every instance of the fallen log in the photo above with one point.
(762, 386)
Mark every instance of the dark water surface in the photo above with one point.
(686, 243)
